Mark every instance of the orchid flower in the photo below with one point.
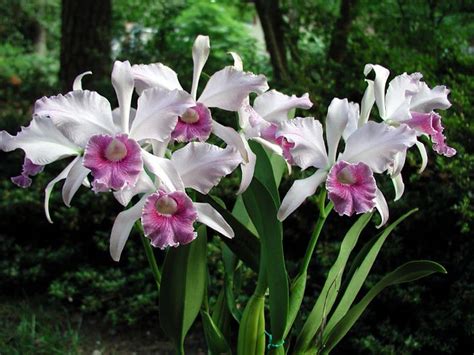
(370, 148)
(81, 124)
(166, 212)
(225, 89)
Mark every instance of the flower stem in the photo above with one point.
(150, 256)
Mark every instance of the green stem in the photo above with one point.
(261, 288)
(150, 256)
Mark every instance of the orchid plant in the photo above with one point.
(159, 163)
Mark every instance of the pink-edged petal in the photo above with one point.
(399, 94)
(307, 135)
(157, 113)
(423, 155)
(194, 124)
(367, 103)
(122, 81)
(213, 219)
(28, 169)
(154, 75)
(41, 141)
(376, 145)
(248, 168)
(231, 137)
(74, 180)
(78, 114)
(115, 162)
(49, 188)
(382, 207)
(299, 191)
(202, 165)
(274, 106)
(286, 148)
(427, 99)
(22, 180)
(351, 187)
(168, 219)
(144, 184)
(381, 76)
(228, 88)
(77, 84)
(164, 170)
(201, 49)
(399, 186)
(123, 226)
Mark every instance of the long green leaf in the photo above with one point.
(215, 340)
(358, 272)
(182, 288)
(327, 297)
(408, 272)
(262, 210)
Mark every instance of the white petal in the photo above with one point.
(273, 147)
(299, 191)
(228, 88)
(382, 207)
(367, 103)
(202, 165)
(213, 219)
(274, 106)
(157, 113)
(336, 122)
(398, 163)
(164, 170)
(427, 100)
(376, 145)
(159, 148)
(307, 135)
(231, 137)
(74, 180)
(116, 116)
(78, 114)
(148, 76)
(238, 64)
(424, 156)
(144, 184)
(353, 120)
(77, 84)
(123, 226)
(381, 76)
(201, 49)
(122, 81)
(247, 168)
(399, 93)
(49, 188)
(398, 185)
(41, 141)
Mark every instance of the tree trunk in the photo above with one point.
(85, 41)
(272, 23)
(338, 47)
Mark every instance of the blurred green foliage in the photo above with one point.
(69, 260)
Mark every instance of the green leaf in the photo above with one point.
(297, 289)
(221, 315)
(183, 286)
(252, 327)
(278, 166)
(245, 244)
(358, 272)
(262, 209)
(230, 264)
(408, 272)
(316, 319)
(214, 338)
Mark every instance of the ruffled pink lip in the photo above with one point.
(430, 124)
(194, 124)
(115, 162)
(351, 187)
(28, 169)
(168, 218)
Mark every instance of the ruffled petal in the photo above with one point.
(299, 191)
(213, 219)
(381, 76)
(157, 113)
(399, 94)
(307, 135)
(144, 184)
(154, 75)
(202, 165)
(74, 180)
(78, 114)
(376, 144)
(122, 81)
(274, 106)
(122, 227)
(41, 141)
(427, 100)
(201, 49)
(164, 170)
(228, 88)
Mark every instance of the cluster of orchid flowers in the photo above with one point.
(158, 149)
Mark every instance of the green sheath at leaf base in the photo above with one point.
(252, 328)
